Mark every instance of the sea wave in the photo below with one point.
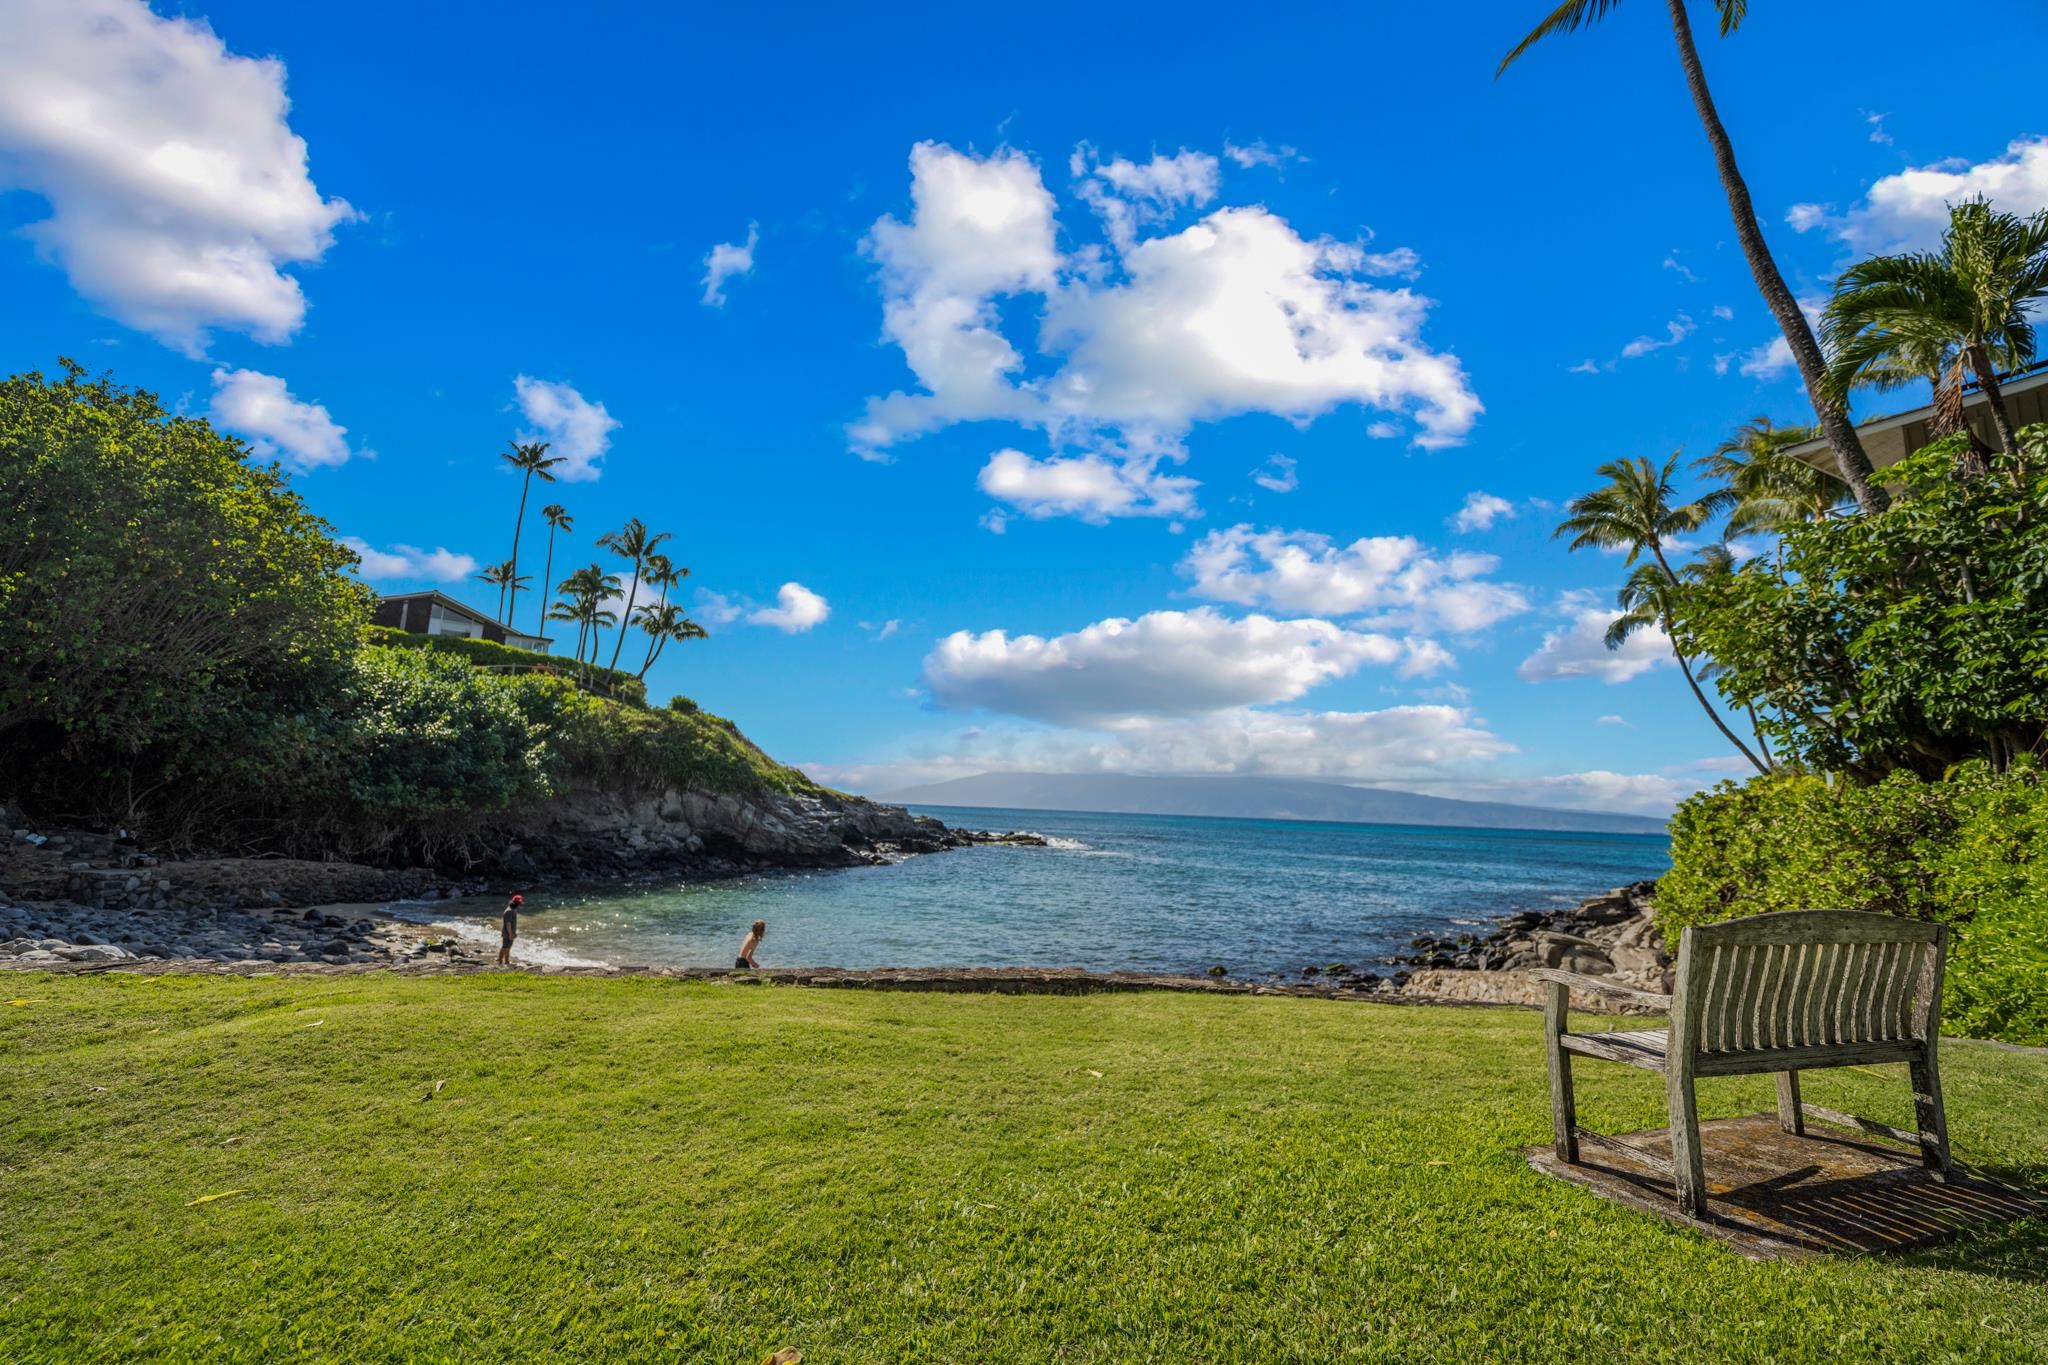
(529, 949)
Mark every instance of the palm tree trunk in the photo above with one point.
(547, 571)
(626, 620)
(518, 523)
(1685, 667)
(1994, 397)
(1763, 746)
(1834, 420)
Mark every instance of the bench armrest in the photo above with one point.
(1595, 985)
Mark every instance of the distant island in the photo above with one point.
(1255, 798)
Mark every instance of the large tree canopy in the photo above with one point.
(150, 575)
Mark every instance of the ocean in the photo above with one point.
(1113, 892)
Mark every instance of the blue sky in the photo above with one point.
(1182, 305)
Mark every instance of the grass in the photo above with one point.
(523, 1168)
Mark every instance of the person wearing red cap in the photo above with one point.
(511, 927)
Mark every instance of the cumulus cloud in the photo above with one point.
(1768, 361)
(797, 609)
(177, 189)
(1396, 579)
(1652, 794)
(1577, 647)
(1277, 475)
(1908, 211)
(1481, 511)
(571, 424)
(1235, 313)
(727, 260)
(1165, 663)
(410, 563)
(259, 408)
(715, 608)
(1399, 743)
(1093, 487)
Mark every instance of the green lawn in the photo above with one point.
(646, 1169)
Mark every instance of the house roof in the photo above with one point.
(447, 603)
(1887, 440)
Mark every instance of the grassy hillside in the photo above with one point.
(522, 1168)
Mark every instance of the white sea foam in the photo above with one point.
(530, 949)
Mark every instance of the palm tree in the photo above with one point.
(530, 458)
(503, 576)
(1763, 489)
(1649, 598)
(1634, 511)
(664, 623)
(558, 519)
(1932, 313)
(631, 541)
(586, 591)
(1834, 416)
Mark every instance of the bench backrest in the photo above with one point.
(1807, 978)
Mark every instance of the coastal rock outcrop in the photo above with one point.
(1614, 935)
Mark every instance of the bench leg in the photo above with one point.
(1789, 1116)
(1563, 1116)
(1687, 1172)
(1929, 1117)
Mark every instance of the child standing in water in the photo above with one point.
(753, 941)
(511, 929)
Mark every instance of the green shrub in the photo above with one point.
(612, 682)
(1970, 850)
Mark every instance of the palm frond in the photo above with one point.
(1569, 17)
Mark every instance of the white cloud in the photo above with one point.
(1395, 578)
(1234, 314)
(1399, 743)
(715, 608)
(1090, 486)
(1877, 129)
(176, 188)
(1649, 794)
(277, 426)
(1586, 366)
(1129, 195)
(1683, 270)
(1767, 361)
(1723, 313)
(1806, 217)
(1908, 211)
(1675, 331)
(1578, 647)
(410, 563)
(1259, 154)
(572, 425)
(797, 609)
(727, 260)
(884, 630)
(1277, 475)
(1165, 663)
(1481, 511)
(1621, 721)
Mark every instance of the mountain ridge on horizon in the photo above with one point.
(1255, 798)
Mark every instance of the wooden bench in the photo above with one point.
(1784, 993)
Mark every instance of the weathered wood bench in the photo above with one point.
(1785, 993)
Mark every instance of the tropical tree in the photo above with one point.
(635, 542)
(1933, 314)
(558, 519)
(1651, 598)
(1764, 490)
(530, 458)
(585, 593)
(665, 622)
(1636, 511)
(1828, 406)
(506, 578)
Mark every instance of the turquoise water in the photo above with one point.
(1136, 892)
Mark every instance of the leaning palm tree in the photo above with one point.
(530, 458)
(1934, 313)
(632, 541)
(664, 623)
(585, 592)
(1764, 490)
(1649, 598)
(1635, 511)
(558, 519)
(1834, 416)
